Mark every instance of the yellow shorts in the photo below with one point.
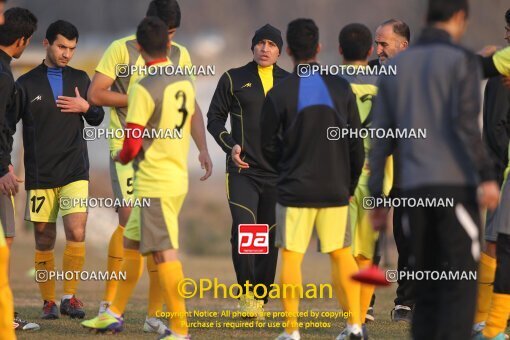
(295, 226)
(122, 177)
(43, 205)
(156, 227)
(364, 236)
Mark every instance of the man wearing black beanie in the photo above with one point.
(268, 32)
(251, 180)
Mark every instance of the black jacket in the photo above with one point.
(7, 108)
(313, 170)
(55, 150)
(496, 123)
(240, 93)
(437, 89)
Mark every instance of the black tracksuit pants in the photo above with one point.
(444, 239)
(252, 199)
(403, 243)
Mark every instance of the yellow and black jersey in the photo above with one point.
(164, 105)
(123, 52)
(364, 88)
(241, 93)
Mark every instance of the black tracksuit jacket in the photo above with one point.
(313, 171)
(55, 150)
(7, 110)
(240, 93)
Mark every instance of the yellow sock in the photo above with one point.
(45, 261)
(133, 267)
(366, 290)
(156, 296)
(291, 275)
(498, 315)
(115, 256)
(6, 301)
(486, 274)
(74, 258)
(343, 266)
(170, 274)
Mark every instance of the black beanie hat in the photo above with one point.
(270, 33)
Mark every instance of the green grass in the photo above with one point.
(64, 328)
(315, 270)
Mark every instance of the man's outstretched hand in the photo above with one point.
(236, 157)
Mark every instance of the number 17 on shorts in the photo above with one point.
(253, 239)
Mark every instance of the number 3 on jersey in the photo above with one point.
(182, 109)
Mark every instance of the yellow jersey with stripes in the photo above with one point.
(364, 88)
(123, 52)
(164, 105)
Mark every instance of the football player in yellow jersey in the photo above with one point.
(155, 103)
(109, 88)
(355, 42)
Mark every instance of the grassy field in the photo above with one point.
(204, 224)
(315, 270)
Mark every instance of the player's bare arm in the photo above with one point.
(100, 94)
(198, 135)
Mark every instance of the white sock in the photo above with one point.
(355, 328)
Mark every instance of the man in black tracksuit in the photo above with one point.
(56, 160)
(251, 179)
(437, 88)
(15, 35)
